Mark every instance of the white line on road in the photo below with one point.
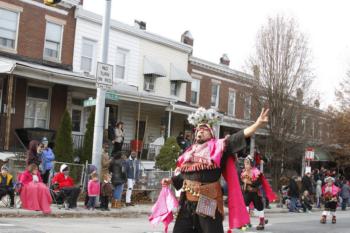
(6, 225)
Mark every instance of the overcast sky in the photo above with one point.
(230, 26)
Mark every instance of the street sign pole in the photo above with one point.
(101, 93)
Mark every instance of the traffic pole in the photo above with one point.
(101, 93)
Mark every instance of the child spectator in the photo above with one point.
(93, 190)
(6, 185)
(106, 191)
(306, 202)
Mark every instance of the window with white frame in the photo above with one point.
(8, 28)
(37, 107)
(149, 83)
(195, 86)
(53, 41)
(174, 88)
(87, 55)
(231, 110)
(215, 92)
(247, 107)
(121, 59)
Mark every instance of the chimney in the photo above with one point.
(187, 38)
(300, 95)
(224, 60)
(140, 24)
(317, 103)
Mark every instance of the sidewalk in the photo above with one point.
(142, 210)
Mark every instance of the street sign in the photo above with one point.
(111, 96)
(104, 74)
(310, 153)
(89, 102)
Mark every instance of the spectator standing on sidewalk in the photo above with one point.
(345, 194)
(318, 193)
(93, 191)
(105, 160)
(47, 158)
(118, 170)
(119, 137)
(307, 183)
(293, 193)
(132, 172)
(106, 192)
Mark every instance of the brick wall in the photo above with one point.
(205, 92)
(31, 37)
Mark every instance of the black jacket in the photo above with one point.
(117, 168)
(307, 184)
(293, 189)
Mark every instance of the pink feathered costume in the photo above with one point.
(34, 195)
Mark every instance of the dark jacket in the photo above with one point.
(293, 189)
(306, 184)
(106, 189)
(133, 169)
(32, 154)
(117, 168)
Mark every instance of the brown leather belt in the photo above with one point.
(194, 189)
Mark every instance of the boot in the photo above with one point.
(323, 219)
(114, 204)
(118, 204)
(334, 220)
(261, 225)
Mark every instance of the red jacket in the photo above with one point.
(62, 181)
(26, 177)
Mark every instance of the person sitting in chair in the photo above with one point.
(6, 185)
(65, 184)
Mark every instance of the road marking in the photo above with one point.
(6, 225)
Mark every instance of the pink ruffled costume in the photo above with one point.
(34, 195)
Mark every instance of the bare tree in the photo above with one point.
(343, 93)
(282, 75)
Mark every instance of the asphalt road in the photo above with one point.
(281, 223)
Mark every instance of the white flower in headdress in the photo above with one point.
(203, 116)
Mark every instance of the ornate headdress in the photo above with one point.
(204, 118)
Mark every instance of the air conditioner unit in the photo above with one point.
(149, 86)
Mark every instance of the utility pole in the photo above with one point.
(101, 93)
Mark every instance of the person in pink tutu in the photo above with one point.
(34, 194)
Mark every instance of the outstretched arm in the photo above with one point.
(262, 120)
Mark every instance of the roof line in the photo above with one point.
(117, 25)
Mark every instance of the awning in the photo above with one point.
(177, 74)
(322, 155)
(6, 67)
(151, 67)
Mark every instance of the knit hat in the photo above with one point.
(44, 140)
(4, 168)
(64, 167)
